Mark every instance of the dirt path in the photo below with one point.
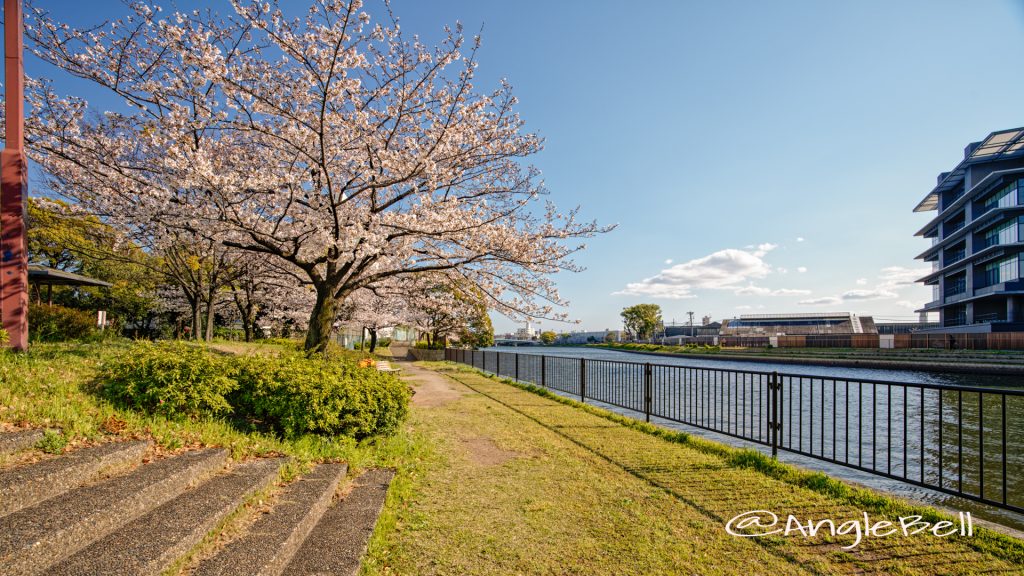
(432, 389)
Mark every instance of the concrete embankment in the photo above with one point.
(953, 367)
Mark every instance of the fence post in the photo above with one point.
(775, 388)
(543, 371)
(583, 380)
(648, 377)
(517, 365)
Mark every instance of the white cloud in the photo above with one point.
(724, 270)
(900, 276)
(781, 270)
(751, 290)
(667, 262)
(908, 304)
(891, 281)
(820, 301)
(799, 238)
(765, 248)
(877, 294)
(801, 269)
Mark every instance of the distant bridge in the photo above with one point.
(515, 342)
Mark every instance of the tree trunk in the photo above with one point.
(321, 320)
(247, 327)
(373, 339)
(209, 319)
(196, 319)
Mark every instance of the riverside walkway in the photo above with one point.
(525, 484)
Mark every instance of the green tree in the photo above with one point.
(61, 238)
(548, 337)
(642, 320)
(479, 333)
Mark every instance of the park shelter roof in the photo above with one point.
(38, 274)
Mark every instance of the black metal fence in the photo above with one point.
(960, 440)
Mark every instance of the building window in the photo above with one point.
(1001, 271)
(1006, 233)
(955, 316)
(955, 286)
(1004, 197)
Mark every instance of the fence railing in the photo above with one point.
(959, 440)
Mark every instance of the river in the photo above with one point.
(830, 413)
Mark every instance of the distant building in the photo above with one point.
(527, 332)
(707, 329)
(798, 324)
(976, 237)
(594, 337)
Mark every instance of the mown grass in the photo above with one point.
(54, 386)
(806, 490)
(496, 494)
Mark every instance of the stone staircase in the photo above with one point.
(102, 510)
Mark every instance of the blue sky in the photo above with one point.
(756, 156)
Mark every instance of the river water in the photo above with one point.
(830, 412)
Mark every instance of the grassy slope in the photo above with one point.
(52, 385)
(590, 492)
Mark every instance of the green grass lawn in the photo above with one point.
(517, 483)
(496, 479)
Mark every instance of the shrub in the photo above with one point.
(422, 345)
(5, 338)
(173, 379)
(52, 442)
(53, 323)
(293, 395)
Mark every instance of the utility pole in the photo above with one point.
(14, 186)
(690, 314)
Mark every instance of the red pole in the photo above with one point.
(14, 186)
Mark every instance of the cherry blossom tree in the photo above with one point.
(264, 291)
(343, 149)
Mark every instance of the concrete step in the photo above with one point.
(30, 484)
(271, 542)
(337, 544)
(11, 442)
(151, 543)
(39, 536)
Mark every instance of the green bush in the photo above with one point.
(293, 394)
(5, 338)
(422, 345)
(173, 379)
(52, 442)
(53, 323)
(290, 394)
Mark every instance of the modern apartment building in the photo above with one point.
(976, 238)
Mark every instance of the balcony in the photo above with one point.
(950, 229)
(956, 287)
(954, 257)
(955, 321)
